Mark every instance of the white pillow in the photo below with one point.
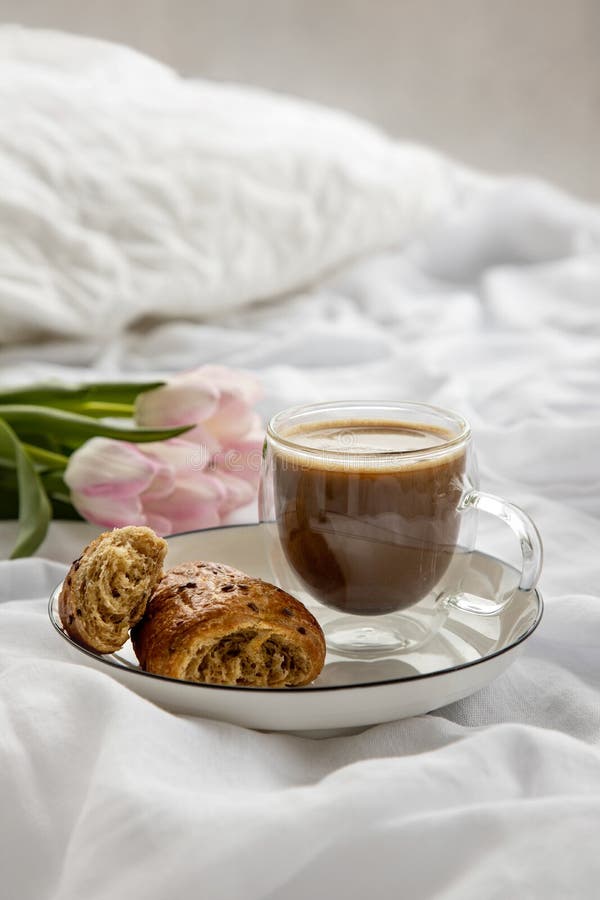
(129, 192)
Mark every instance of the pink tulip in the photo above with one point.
(184, 483)
(220, 401)
(114, 483)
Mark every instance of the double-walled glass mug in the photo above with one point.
(371, 509)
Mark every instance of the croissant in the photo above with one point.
(107, 587)
(207, 622)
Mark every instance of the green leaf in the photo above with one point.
(71, 429)
(74, 396)
(46, 458)
(34, 507)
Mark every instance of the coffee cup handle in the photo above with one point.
(531, 550)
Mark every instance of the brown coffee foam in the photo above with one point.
(358, 461)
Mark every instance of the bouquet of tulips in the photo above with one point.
(176, 455)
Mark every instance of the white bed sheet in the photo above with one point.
(494, 312)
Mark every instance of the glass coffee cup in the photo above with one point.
(371, 510)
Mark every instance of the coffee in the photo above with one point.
(368, 533)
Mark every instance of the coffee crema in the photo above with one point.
(367, 530)
(368, 438)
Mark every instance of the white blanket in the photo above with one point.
(493, 311)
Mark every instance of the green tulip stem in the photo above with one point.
(46, 458)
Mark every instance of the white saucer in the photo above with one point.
(466, 654)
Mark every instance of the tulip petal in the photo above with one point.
(233, 418)
(104, 467)
(180, 455)
(233, 381)
(162, 484)
(202, 438)
(192, 505)
(182, 459)
(242, 458)
(177, 404)
(110, 512)
(238, 492)
(159, 524)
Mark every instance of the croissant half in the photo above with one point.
(107, 588)
(209, 623)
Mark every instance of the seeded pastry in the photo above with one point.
(106, 590)
(209, 623)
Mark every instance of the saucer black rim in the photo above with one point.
(438, 673)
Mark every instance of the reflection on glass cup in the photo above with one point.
(371, 510)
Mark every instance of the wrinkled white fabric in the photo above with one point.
(494, 312)
(129, 192)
